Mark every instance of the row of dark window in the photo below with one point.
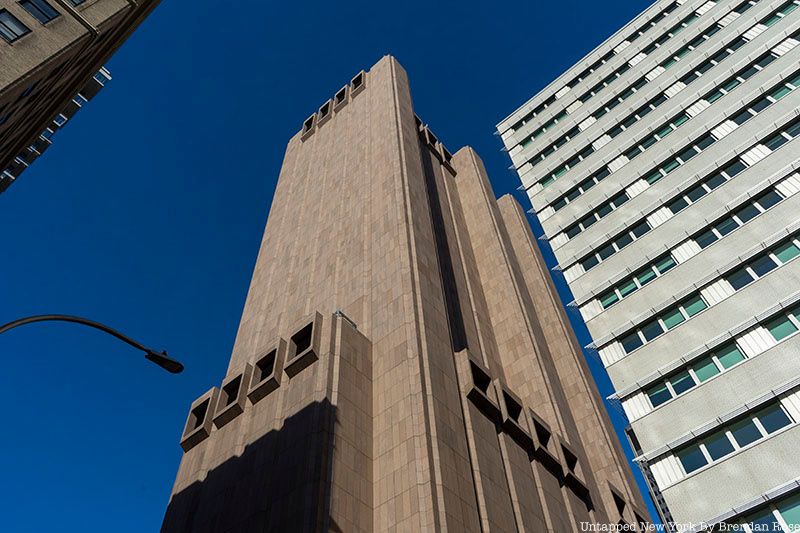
(718, 229)
(611, 247)
(11, 28)
(718, 360)
(739, 117)
(636, 86)
(773, 17)
(637, 115)
(642, 81)
(597, 64)
(640, 113)
(741, 276)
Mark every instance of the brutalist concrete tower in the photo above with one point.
(402, 362)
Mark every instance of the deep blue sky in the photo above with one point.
(148, 211)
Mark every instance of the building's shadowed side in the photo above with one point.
(274, 485)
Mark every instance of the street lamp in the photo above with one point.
(159, 358)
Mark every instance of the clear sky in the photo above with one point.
(148, 210)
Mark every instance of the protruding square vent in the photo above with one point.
(267, 371)
(357, 84)
(573, 474)
(546, 444)
(232, 396)
(308, 126)
(325, 112)
(199, 421)
(341, 97)
(515, 423)
(303, 346)
(477, 384)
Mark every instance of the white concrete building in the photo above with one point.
(664, 168)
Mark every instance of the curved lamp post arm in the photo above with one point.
(159, 358)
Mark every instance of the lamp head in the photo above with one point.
(165, 361)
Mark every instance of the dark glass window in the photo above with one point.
(766, 60)
(11, 28)
(742, 117)
(793, 130)
(747, 213)
(760, 105)
(715, 181)
(652, 330)
(623, 240)
(734, 168)
(726, 226)
(40, 10)
(718, 445)
(631, 342)
(678, 205)
(763, 265)
(687, 154)
(640, 229)
(692, 458)
(589, 263)
(706, 238)
(659, 394)
(606, 251)
(573, 230)
(705, 141)
(682, 382)
(763, 520)
(745, 432)
(769, 199)
(739, 279)
(773, 418)
(696, 193)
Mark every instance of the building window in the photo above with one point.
(40, 10)
(733, 437)
(790, 511)
(728, 356)
(781, 327)
(659, 394)
(692, 458)
(705, 238)
(756, 268)
(763, 520)
(773, 418)
(701, 370)
(745, 432)
(11, 28)
(76, 3)
(723, 89)
(718, 445)
(782, 515)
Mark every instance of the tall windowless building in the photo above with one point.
(402, 363)
(663, 169)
